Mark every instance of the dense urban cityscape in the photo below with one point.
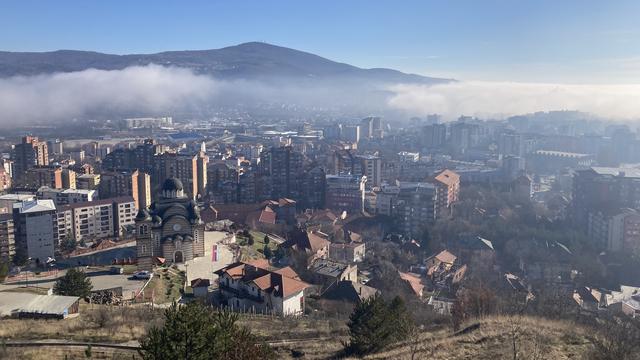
(245, 200)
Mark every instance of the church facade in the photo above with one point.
(171, 228)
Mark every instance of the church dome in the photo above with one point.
(172, 184)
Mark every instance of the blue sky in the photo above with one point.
(527, 41)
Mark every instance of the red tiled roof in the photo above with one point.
(200, 283)
(414, 281)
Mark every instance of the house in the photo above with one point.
(349, 291)
(258, 287)
(442, 302)
(314, 243)
(443, 258)
(200, 287)
(347, 252)
(414, 281)
(330, 272)
(586, 298)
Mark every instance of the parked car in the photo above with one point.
(116, 270)
(142, 275)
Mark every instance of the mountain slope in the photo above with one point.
(251, 61)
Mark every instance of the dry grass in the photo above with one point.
(536, 339)
(96, 323)
(66, 353)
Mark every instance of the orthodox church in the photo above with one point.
(171, 228)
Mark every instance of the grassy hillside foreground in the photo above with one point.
(490, 338)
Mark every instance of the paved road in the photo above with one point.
(100, 278)
(203, 267)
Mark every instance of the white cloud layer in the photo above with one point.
(58, 96)
(495, 99)
(155, 89)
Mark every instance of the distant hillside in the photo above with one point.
(253, 60)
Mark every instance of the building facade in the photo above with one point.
(171, 228)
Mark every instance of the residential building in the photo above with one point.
(88, 181)
(347, 252)
(603, 189)
(447, 185)
(36, 177)
(345, 192)
(136, 184)
(416, 206)
(351, 133)
(34, 224)
(7, 201)
(68, 179)
(615, 230)
(29, 153)
(434, 136)
(5, 180)
(7, 238)
(283, 167)
(100, 219)
(66, 196)
(257, 287)
(372, 169)
(180, 166)
(329, 272)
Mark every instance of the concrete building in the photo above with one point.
(5, 179)
(372, 169)
(351, 133)
(66, 196)
(603, 189)
(7, 201)
(416, 206)
(7, 238)
(434, 136)
(34, 223)
(68, 179)
(99, 219)
(29, 153)
(39, 176)
(345, 192)
(136, 184)
(180, 166)
(616, 230)
(171, 228)
(88, 181)
(406, 156)
(283, 169)
(447, 185)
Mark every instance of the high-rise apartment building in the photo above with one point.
(29, 153)
(345, 192)
(284, 168)
(7, 238)
(177, 165)
(136, 184)
(372, 168)
(34, 223)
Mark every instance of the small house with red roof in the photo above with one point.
(256, 286)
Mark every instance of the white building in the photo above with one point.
(96, 219)
(257, 287)
(66, 196)
(34, 223)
